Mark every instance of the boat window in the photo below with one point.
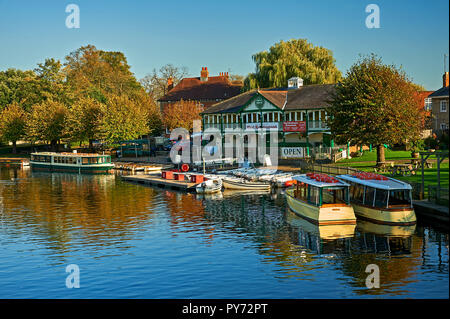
(85, 161)
(381, 198)
(356, 193)
(301, 192)
(400, 197)
(369, 196)
(334, 196)
(314, 195)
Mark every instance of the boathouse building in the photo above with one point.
(298, 113)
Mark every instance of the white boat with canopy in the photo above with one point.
(380, 199)
(321, 199)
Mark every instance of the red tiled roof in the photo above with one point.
(216, 88)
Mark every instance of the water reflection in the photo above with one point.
(105, 216)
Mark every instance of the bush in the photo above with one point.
(430, 143)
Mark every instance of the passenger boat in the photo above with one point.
(243, 184)
(380, 199)
(321, 199)
(71, 162)
(209, 186)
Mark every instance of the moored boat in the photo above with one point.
(209, 186)
(380, 199)
(321, 199)
(71, 162)
(243, 184)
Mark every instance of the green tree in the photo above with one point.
(84, 120)
(13, 124)
(375, 104)
(294, 58)
(47, 122)
(123, 119)
(19, 87)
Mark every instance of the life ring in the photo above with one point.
(184, 167)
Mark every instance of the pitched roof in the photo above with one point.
(442, 92)
(310, 97)
(305, 97)
(231, 105)
(217, 87)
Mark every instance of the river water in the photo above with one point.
(133, 241)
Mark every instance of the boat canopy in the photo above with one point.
(386, 183)
(317, 183)
(69, 154)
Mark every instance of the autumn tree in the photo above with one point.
(182, 114)
(375, 104)
(47, 122)
(294, 58)
(155, 83)
(123, 119)
(84, 120)
(13, 124)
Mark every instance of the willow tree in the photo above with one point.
(375, 104)
(294, 58)
(13, 124)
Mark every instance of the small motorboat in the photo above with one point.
(209, 186)
(243, 184)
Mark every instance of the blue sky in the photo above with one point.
(223, 35)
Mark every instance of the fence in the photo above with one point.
(331, 170)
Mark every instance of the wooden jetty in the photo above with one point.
(156, 180)
(135, 167)
(15, 161)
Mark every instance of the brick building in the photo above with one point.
(439, 108)
(206, 90)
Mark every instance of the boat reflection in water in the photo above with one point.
(385, 230)
(328, 232)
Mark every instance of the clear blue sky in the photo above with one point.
(223, 35)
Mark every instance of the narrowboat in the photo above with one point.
(321, 199)
(380, 199)
(71, 162)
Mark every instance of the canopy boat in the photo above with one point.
(209, 186)
(71, 162)
(380, 199)
(321, 199)
(243, 184)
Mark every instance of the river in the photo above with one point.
(134, 241)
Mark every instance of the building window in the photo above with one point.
(444, 106)
(444, 126)
(428, 103)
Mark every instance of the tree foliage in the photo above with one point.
(294, 58)
(124, 119)
(182, 114)
(19, 87)
(13, 121)
(375, 104)
(47, 122)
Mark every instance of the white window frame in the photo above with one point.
(442, 103)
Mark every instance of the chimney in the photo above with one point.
(445, 79)
(204, 74)
(169, 84)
